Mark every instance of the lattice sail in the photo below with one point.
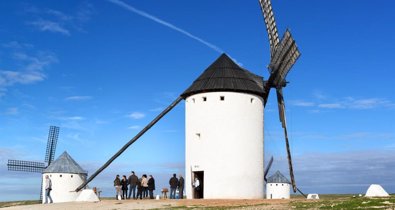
(270, 23)
(27, 166)
(51, 144)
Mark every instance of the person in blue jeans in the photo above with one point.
(173, 186)
(48, 188)
(133, 183)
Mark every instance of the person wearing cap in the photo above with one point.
(133, 183)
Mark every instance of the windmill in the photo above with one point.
(38, 167)
(283, 55)
(237, 80)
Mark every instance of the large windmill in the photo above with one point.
(283, 55)
(38, 167)
(225, 76)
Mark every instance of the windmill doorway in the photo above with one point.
(198, 192)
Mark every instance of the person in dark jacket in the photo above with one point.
(139, 189)
(133, 183)
(117, 185)
(124, 184)
(181, 187)
(173, 186)
(151, 186)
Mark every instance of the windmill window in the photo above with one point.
(197, 136)
(252, 100)
(204, 98)
(193, 100)
(276, 184)
(282, 184)
(222, 98)
(60, 175)
(71, 176)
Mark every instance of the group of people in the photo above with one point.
(145, 185)
(176, 184)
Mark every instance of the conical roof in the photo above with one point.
(64, 164)
(225, 75)
(278, 177)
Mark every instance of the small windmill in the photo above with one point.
(38, 167)
(283, 55)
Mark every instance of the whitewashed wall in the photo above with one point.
(278, 190)
(224, 138)
(63, 186)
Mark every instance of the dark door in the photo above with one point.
(199, 191)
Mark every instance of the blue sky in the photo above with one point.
(101, 70)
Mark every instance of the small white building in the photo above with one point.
(66, 175)
(376, 190)
(278, 187)
(224, 133)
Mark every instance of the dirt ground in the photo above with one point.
(161, 204)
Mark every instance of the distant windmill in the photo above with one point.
(283, 55)
(38, 167)
(224, 75)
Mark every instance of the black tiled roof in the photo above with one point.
(226, 75)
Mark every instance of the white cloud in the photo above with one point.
(78, 98)
(30, 63)
(47, 25)
(344, 103)
(55, 21)
(136, 115)
(331, 106)
(73, 118)
(12, 111)
(302, 103)
(134, 127)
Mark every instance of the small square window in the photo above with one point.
(252, 100)
(60, 175)
(198, 136)
(71, 176)
(204, 98)
(222, 98)
(193, 100)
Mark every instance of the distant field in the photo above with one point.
(296, 202)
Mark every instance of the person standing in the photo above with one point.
(139, 189)
(144, 184)
(196, 187)
(151, 186)
(48, 188)
(181, 187)
(124, 185)
(173, 186)
(117, 185)
(133, 183)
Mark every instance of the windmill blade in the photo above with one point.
(266, 7)
(51, 144)
(284, 58)
(26, 166)
(130, 142)
(269, 165)
(281, 106)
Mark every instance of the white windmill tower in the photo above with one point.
(224, 132)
